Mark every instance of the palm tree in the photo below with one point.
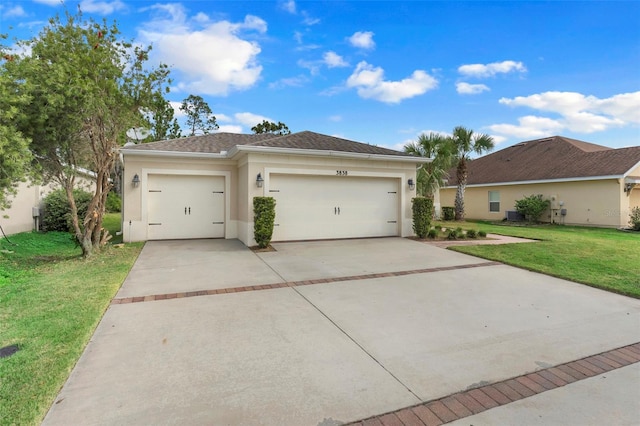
(439, 148)
(466, 142)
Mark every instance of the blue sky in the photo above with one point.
(383, 72)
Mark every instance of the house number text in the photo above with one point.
(341, 172)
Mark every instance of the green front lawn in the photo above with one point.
(51, 300)
(599, 257)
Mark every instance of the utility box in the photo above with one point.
(563, 212)
(35, 211)
(555, 203)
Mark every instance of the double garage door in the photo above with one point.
(181, 207)
(308, 207)
(323, 207)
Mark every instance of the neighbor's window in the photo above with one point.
(494, 201)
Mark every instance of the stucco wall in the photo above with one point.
(242, 172)
(268, 164)
(591, 203)
(134, 224)
(19, 217)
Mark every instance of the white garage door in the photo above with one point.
(181, 207)
(322, 207)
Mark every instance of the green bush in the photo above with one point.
(114, 203)
(57, 213)
(532, 207)
(448, 213)
(471, 233)
(452, 234)
(422, 213)
(264, 215)
(432, 233)
(635, 219)
(482, 234)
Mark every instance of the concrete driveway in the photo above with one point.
(209, 332)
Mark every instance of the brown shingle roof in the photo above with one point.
(217, 142)
(213, 143)
(549, 158)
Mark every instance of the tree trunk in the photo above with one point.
(461, 174)
(75, 222)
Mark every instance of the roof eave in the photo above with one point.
(539, 181)
(632, 169)
(325, 153)
(178, 154)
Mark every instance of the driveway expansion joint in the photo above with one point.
(473, 401)
(240, 289)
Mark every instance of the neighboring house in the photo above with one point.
(325, 187)
(587, 184)
(26, 205)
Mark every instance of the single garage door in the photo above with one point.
(181, 207)
(322, 207)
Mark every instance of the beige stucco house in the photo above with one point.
(587, 184)
(325, 187)
(26, 204)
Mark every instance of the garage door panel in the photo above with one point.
(182, 207)
(320, 207)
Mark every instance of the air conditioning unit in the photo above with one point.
(514, 216)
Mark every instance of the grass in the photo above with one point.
(599, 257)
(51, 300)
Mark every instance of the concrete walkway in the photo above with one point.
(208, 332)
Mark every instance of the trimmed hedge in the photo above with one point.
(264, 215)
(422, 213)
(448, 213)
(635, 219)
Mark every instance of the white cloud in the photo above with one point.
(214, 59)
(223, 118)
(470, 89)
(249, 119)
(101, 7)
(333, 60)
(335, 118)
(362, 40)
(529, 126)
(176, 109)
(489, 70)
(370, 84)
(289, 6)
(625, 106)
(12, 12)
(576, 112)
(229, 128)
(50, 2)
(308, 19)
(298, 81)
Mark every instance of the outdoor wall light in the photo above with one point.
(628, 187)
(135, 181)
(259, 180)
(411, 184)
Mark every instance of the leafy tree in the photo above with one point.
(431, 176)
(199, 115)
(15, 157)
(271, 127)
(465, 142)
(86, 87)
(161, 118)
(532, 207)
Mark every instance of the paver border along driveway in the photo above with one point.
(327, 332)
